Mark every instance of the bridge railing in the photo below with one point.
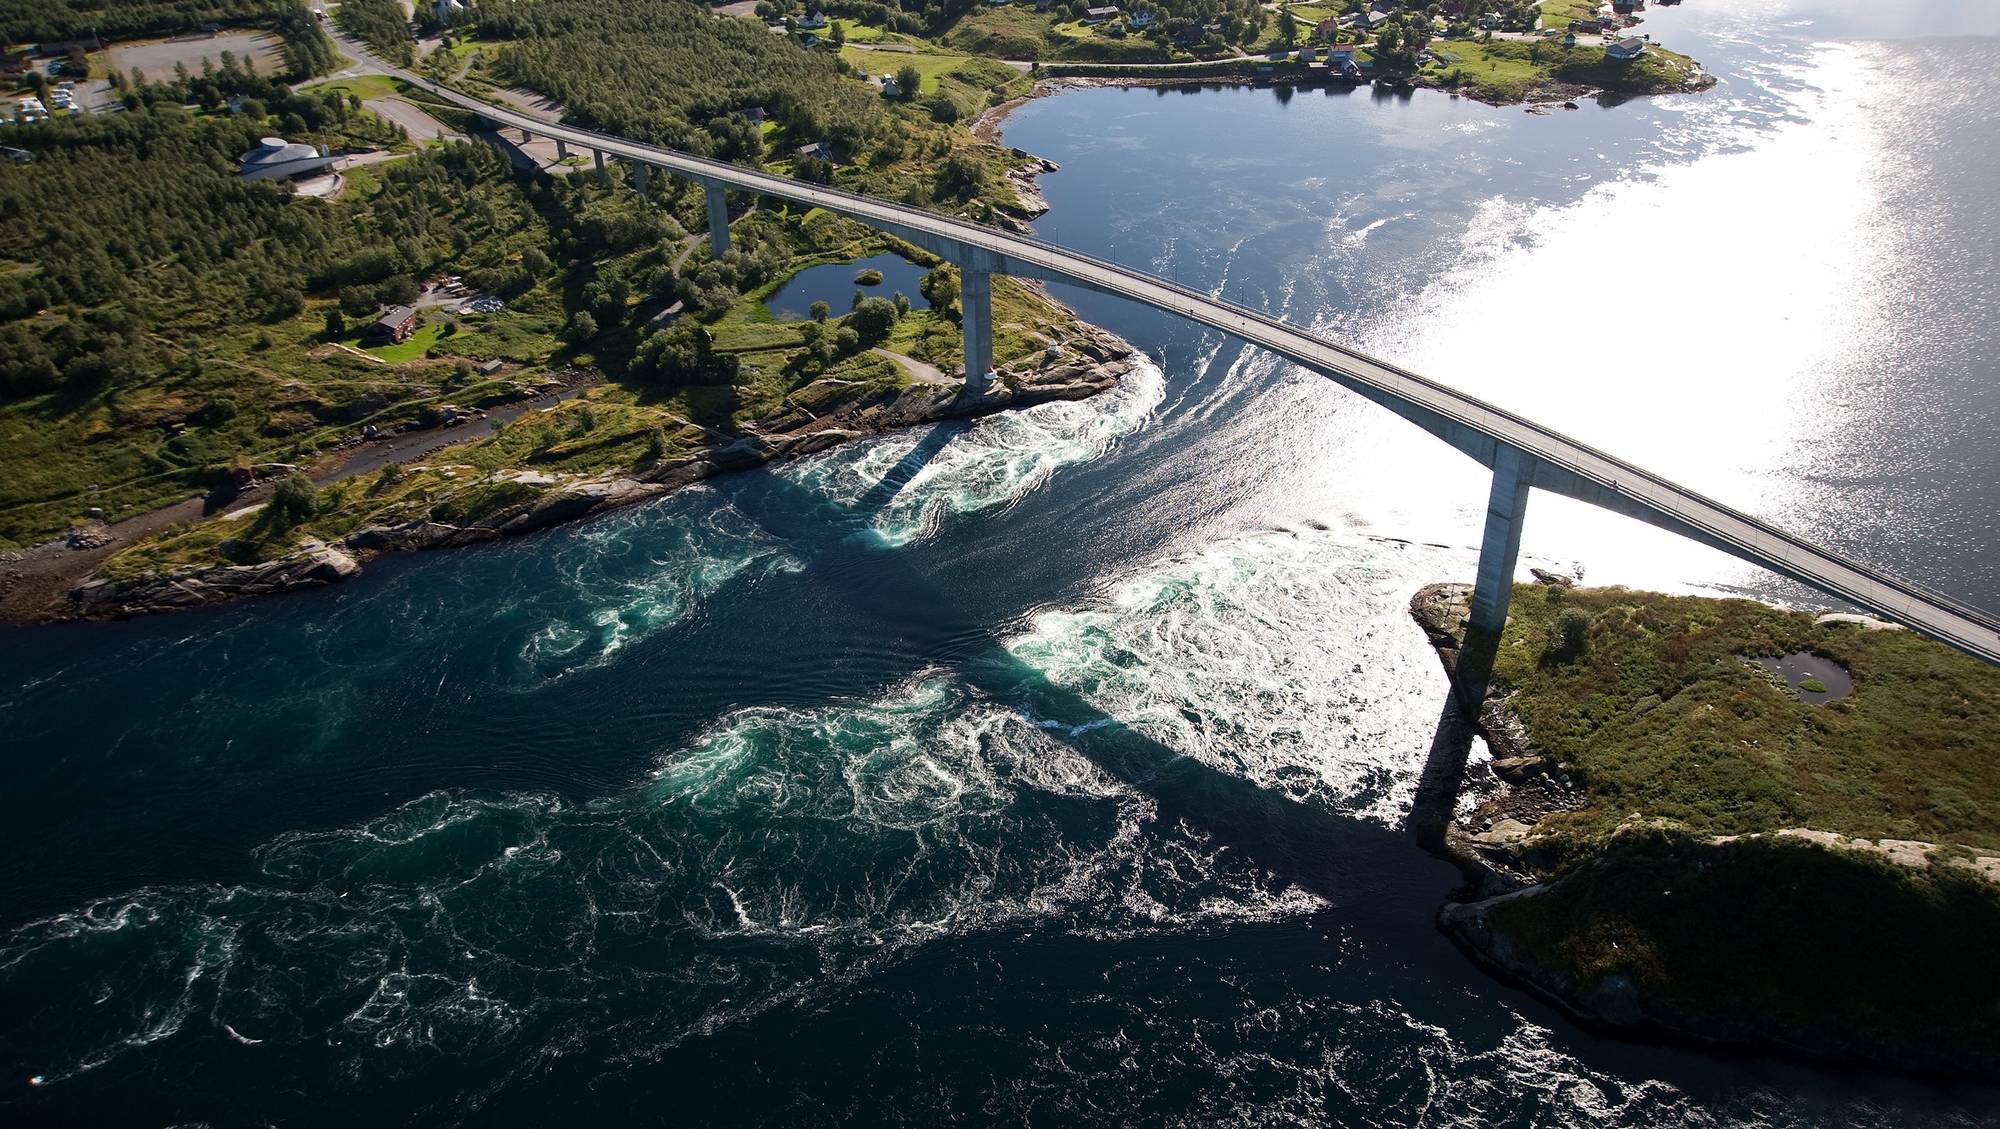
(1609, 472)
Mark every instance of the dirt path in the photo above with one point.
(918, 371)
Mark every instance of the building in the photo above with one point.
(890, 87)
(278, 159)
(1140, 20)
(1104, 14)
(818, 150)
(18, 156)
(489, 368)
(1625, 50)
(393, 326)
(812, 21)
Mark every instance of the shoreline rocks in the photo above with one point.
(1496, 848)
(1101, 360)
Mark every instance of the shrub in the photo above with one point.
(868, 277)
(1568, 632)
(294, 500)
(872, 320)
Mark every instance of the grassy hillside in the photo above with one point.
(1660, 714)
(1667, 895)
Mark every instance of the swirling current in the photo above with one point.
(1047, 769)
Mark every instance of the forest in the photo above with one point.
(382, 25)
(33, 21)
(660, 70)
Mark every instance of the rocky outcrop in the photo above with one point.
(1101, 359)
(311, 565)
(1493, 843)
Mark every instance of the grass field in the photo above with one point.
(1661, 715)
(1668, 879)
(411, 348)
(365, 85)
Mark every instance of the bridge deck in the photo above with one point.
(1563, 465)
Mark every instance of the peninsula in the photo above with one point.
(1732, 825)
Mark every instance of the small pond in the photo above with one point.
(833, 283)
(1814, 678)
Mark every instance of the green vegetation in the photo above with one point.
(33, 21)
(382, 25)
(1780, 937)
(1657, 712)
(1667, 889)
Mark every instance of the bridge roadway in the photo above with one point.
(1523, 454)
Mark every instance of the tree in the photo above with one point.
(336, 326)
(873, 320)
(908, 81)
(940, 288)
(294, 500)
(819, 311)
(535, 262)
(581, 328)
(1288, 27)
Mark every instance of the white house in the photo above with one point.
(1625, 50)
(890, 87)
(1140, 20)
(812, 21)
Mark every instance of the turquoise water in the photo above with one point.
(1046, 769)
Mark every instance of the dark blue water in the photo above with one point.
(833, 283)
(1046, 770)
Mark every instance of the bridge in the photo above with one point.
(1523, 455)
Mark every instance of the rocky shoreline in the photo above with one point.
(1101, 360)
(1495, 846)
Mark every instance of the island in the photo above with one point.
(1732, 825)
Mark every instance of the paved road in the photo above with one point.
(1562, 465)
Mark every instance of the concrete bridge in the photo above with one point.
(1522, 454)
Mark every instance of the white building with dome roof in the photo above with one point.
(278, 159)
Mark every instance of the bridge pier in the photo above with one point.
(562, 149)
(527, 138)
(597, 158)
(975, 304)
(1500, 547)
(641, 177)
(718, 218)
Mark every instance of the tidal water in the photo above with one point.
(1050, 769)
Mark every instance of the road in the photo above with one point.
(1561, 464)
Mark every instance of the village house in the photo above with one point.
(1100, 15)
(1140, 20)
(1625, 50)
(394, 326)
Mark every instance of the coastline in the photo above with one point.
(1102, 360)
(1520, 874)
